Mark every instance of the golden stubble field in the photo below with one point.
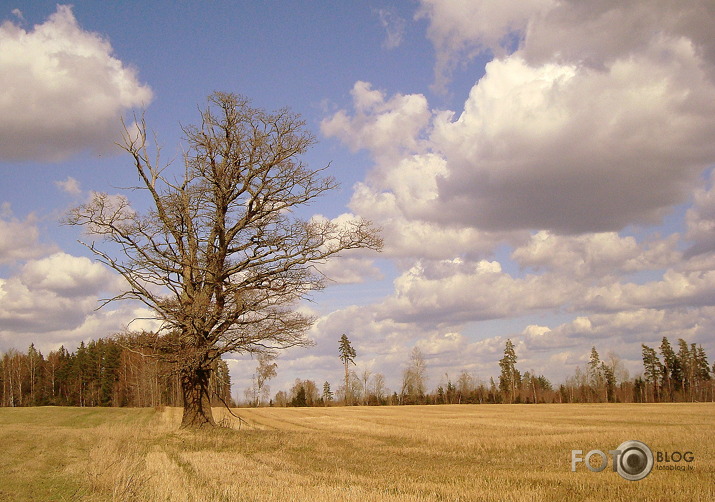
(410, 453)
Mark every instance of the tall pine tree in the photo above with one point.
(347, 355)
(509, 379)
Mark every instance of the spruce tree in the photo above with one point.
(509, 378)
(347, 355)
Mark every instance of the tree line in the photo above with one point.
(113, 372)
(668, 376)
(105, 372)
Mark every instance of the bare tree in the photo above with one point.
(378, 387)
(365, 389)
(251, 392)
(219, 257)
(414, 378)
(465, 385)
(265, 371)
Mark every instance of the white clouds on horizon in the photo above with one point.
(53, 300)
(53, 292)
(63, 90)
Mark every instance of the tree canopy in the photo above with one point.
(220, 258)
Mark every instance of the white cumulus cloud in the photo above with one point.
(70, 186)
(576, 149)
(19, 239)
(460, 29)
(63, 90)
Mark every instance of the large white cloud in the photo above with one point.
(67, 275)
(63, 90)
(575, 149)
(408, 237)
(565, 31)
(454, 292)
(571, 137)
(567, 148)
(403, 185)
(675, 289)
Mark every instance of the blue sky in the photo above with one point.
(542, 170)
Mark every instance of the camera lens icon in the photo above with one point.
(635, 461)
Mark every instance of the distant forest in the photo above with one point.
(107, 372)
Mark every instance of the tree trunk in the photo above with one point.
(197, 400)
(347, 385)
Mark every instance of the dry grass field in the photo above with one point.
(412, 453)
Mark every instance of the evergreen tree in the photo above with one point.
(34, 369)
(610, 380)
(702, 371)
(327, 393)
(687, 369)
(671, 370)
(638, 390)
(300, 399)
(57, 369)
(509, 379)
(653, 369)
(595, 374)
(109, 373)
(347, 355)
(451, 392)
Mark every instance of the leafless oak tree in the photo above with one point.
(219, 257)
